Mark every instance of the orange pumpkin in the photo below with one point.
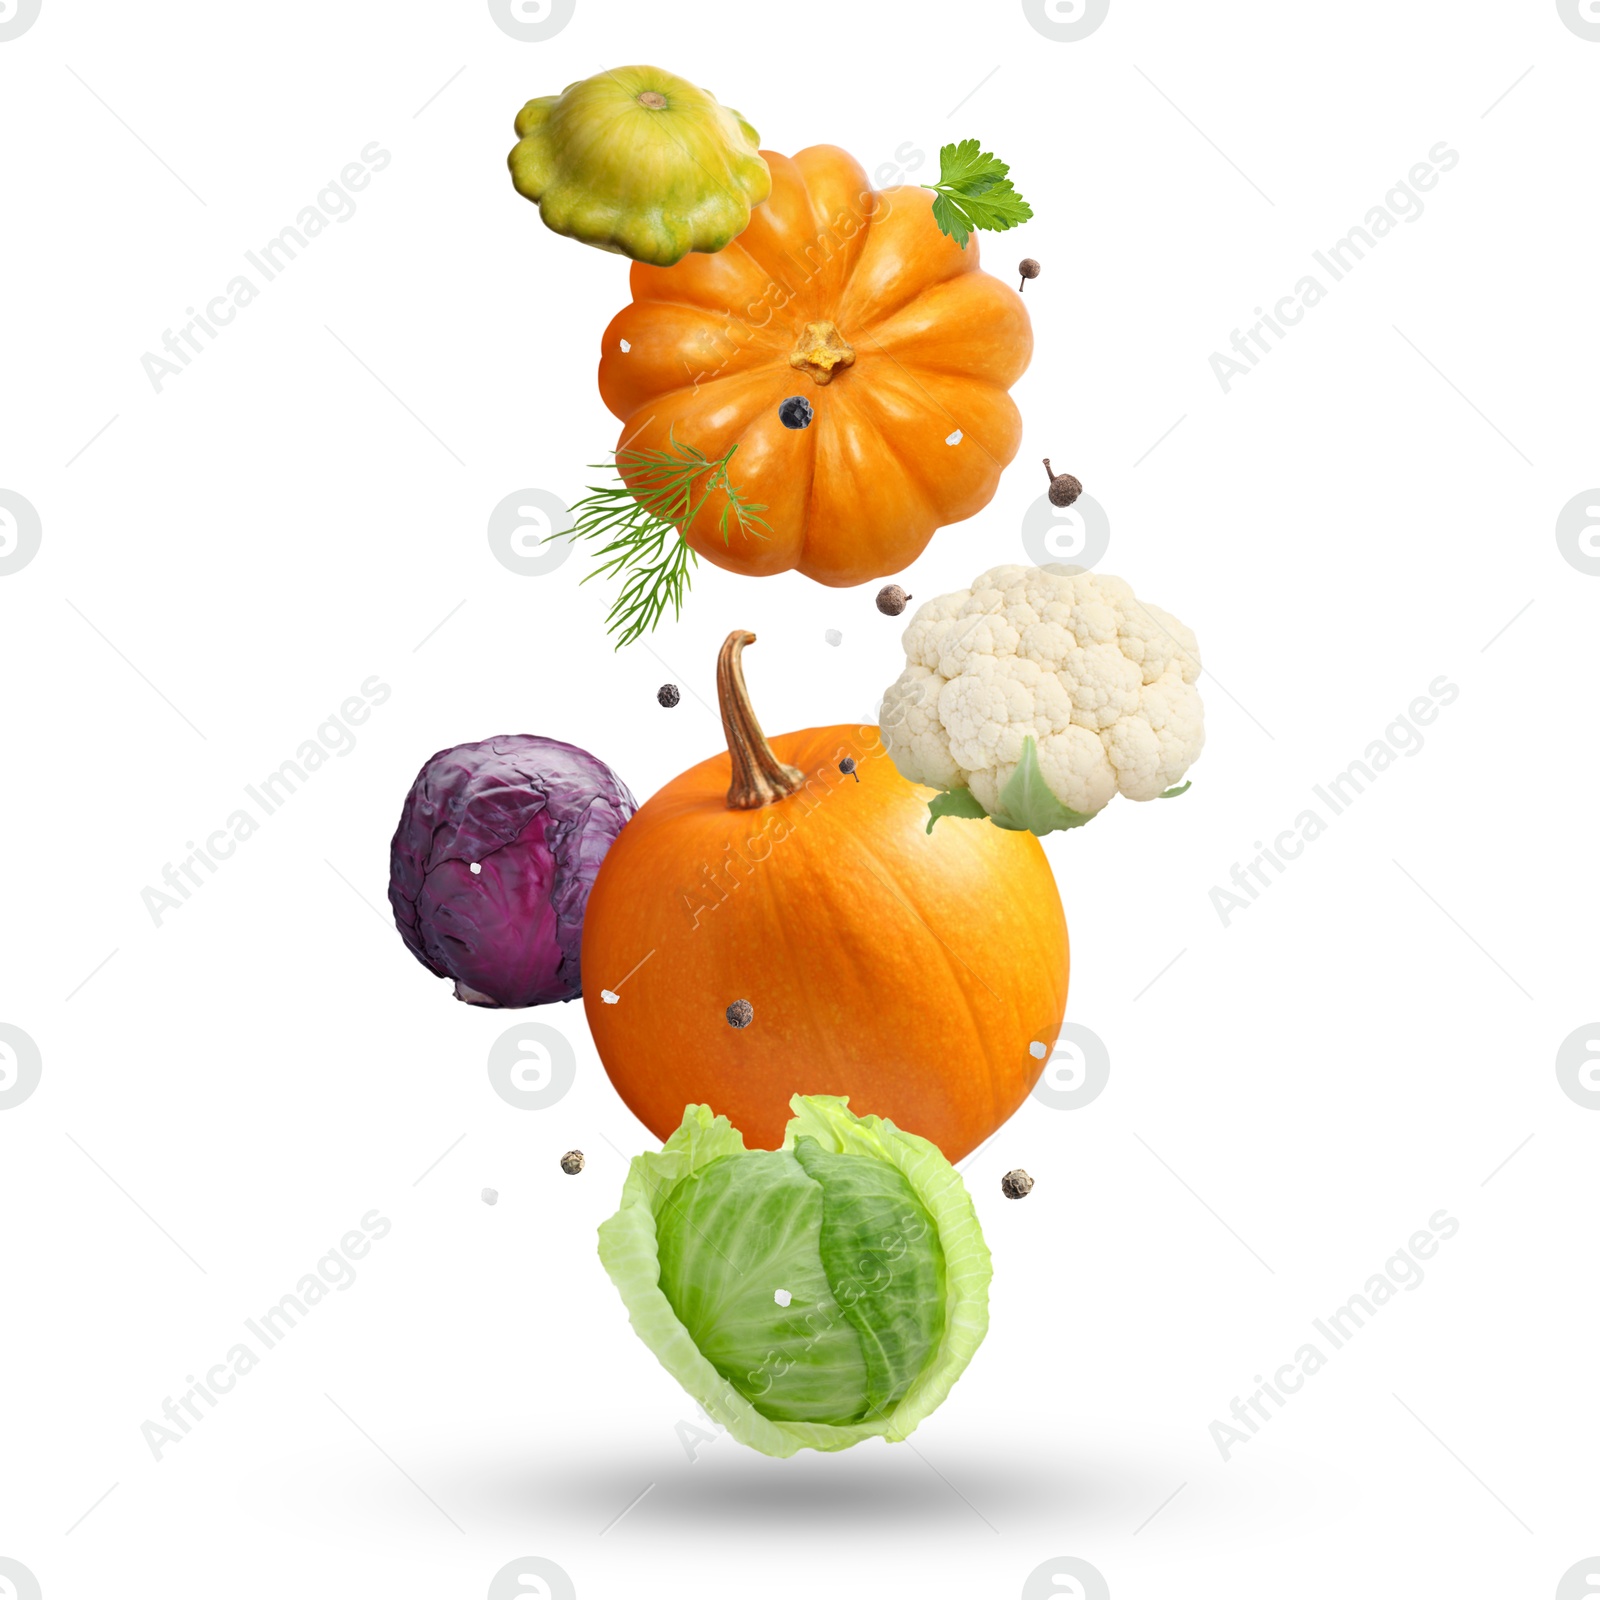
(854, 299)
(923, 975)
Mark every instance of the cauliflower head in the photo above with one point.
(1100, 681)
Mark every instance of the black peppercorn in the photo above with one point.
(848, 768)
(1015, 1185)
(740, 1014)
(668, 695)
(892, 599)
(795, 412)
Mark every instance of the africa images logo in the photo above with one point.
(16, 17)
(532, 21)
(15, 1579)
(21, 532)
(21, 1066)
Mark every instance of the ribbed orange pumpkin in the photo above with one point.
(854, 299)
(910, 971)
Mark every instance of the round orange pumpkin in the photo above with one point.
(854, 299)
(922, 975)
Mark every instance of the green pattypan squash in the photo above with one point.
(641, 162)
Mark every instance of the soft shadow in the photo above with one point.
(875, 1487)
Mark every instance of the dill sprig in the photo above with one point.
(642, 528)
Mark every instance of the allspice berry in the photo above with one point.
(741, 1014)
(1015, 1185)
(1064, 488)
(892, 599)
(572, 1163)
(848, 768)
(668, 696)
(1029, 268)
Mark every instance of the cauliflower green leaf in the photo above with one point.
(957, 802)
(1026, 805)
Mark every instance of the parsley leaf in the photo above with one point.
(974, 191)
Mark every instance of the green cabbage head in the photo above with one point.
(809, 1297)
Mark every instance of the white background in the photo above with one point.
(1290, 1099)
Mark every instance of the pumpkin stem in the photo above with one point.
(821, 348)
(759, 777)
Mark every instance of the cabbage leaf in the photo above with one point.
(869, 1232)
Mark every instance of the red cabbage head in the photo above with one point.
(491, 866)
